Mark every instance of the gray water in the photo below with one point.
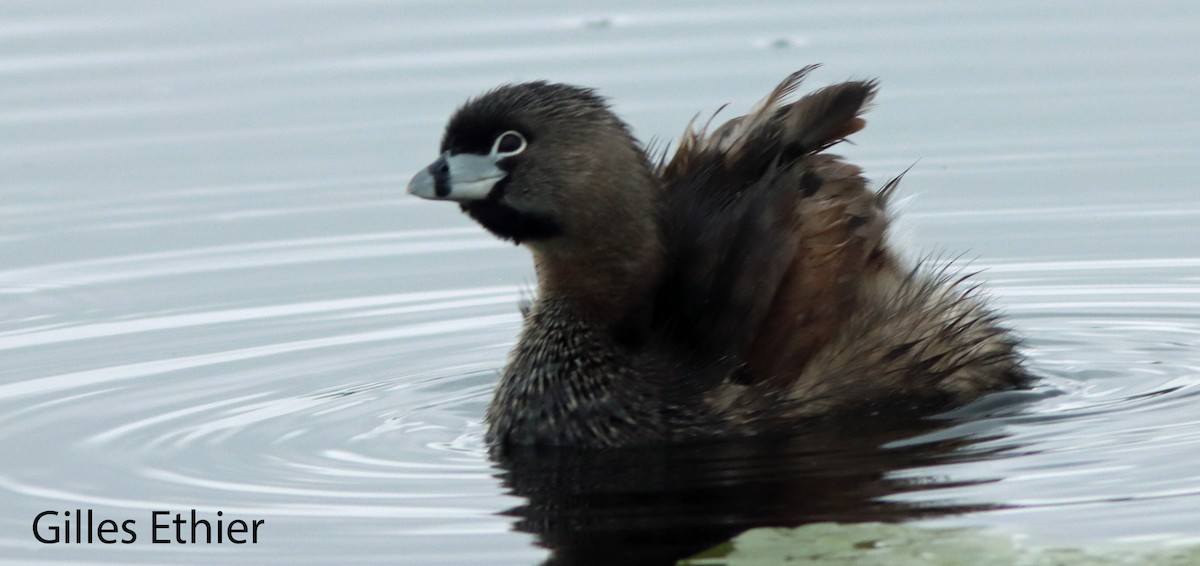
(214, 294)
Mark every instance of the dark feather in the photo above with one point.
(727, 213)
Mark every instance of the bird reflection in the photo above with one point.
(658, 505)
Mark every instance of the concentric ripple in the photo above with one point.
(314, 382)
(1106, 447)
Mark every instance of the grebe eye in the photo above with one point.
(509, 143)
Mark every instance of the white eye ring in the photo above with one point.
(497, 154)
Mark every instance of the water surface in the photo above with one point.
(214, 295)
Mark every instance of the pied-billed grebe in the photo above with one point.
(742, 286)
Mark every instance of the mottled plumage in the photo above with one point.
(743, 286)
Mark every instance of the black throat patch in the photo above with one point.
(508, 223)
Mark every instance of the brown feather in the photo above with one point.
(741, 283)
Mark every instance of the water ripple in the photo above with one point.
(214, 296)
